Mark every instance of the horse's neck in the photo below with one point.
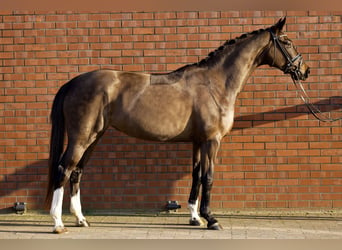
(239, 65)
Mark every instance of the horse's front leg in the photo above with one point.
(208, 155)
(195, 220)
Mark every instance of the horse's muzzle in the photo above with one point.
(298, 75)
(306, 74)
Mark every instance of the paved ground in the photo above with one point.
(39, 226)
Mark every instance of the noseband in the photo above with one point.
(290, 67)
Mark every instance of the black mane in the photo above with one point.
(215, 56)
(211, 60)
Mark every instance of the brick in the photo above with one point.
(227, 14)
(88, 24)
(207, 14)
(153, 23)
(143, 15)
(172, 37)
(138, 31)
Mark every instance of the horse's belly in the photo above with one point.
(156, 115)
(154, 127)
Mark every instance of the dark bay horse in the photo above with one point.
(194, 103)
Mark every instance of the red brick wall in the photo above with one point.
(277, 156)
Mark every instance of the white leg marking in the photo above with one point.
(194, 219)
(56, 208)
(76, 209)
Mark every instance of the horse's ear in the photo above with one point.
(279, 25)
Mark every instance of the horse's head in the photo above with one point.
(283, 54)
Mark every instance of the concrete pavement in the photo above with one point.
(39, 226)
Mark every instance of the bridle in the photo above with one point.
(290, 67)
(294, 71)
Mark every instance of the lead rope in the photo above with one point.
(312, 108)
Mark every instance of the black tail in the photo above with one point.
(56, 140)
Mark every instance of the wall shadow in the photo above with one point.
(326, 105)
(29, 183)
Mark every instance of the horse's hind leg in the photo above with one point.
(71, 157)
(67, 169)
(56, 210)
(75, 179)
(75, 201)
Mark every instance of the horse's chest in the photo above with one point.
(226, 121)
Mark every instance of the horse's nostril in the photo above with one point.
(307, 72)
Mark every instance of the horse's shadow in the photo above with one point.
(28, 184)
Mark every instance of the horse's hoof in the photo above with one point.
(215, 226)
(195, 222)
(83, 223)
(60, 230)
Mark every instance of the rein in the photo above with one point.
(314, 110)
(295, 73)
